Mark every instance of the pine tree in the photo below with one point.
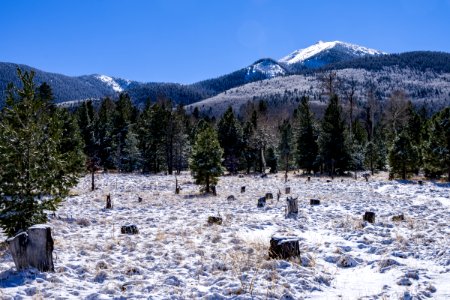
(403, 156)
(105, 128)
(206, 158)
(285, 146)
(87, 120)
(307, 149)
(230, 138)
(35, 175)
(272, 161)
(332, 141)
(437, 146)
(131, 156)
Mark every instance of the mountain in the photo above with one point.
(66, 88)
(423, 76)
(246, 84)
(324, 53)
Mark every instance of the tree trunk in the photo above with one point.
(93, 179)
(207, 183)
(33, 248)
(448, 178)
(292, 207)
(284, 247)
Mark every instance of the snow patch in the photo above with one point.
(268, 68)
(306, 53)
(110, 82)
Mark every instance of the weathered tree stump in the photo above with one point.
(261, 202)
(108, 201)
(33, 248)
(177, 187)
(269, 196)
(242, 189)
(214, 220)
(139, 199)
(284, 247)
(398, 218)
(314, 201)
(129, 229)
(292, 207)
(287, 190)
(366, 176)
(214, 191)
(369, 217)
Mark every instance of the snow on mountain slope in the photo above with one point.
(266, 66)
(302, 55)
(111, 82)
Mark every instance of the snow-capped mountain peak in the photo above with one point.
(302, 55)
(110, 82)
(268, 67)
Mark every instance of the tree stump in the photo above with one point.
(261, 202)
(177, 187)
(269, 196)
(369, 217)
(139, 199)
(264, 175)
(314, 201)
(278, 195)
(292, 207)
(366, 176)
(287, 190)
(309, 178)
(33, 248)
(420, 182)
(284, 247)
(242, 189)
(398, 218)
(214, 220)
(231, 198)
(129, 229)
(108, 201)
(214, 191)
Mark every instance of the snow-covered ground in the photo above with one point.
(176, 255)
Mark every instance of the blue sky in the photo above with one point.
(187, 41)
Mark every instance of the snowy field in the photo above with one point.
(176, 255)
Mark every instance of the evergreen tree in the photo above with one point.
(285, 146)
(35, 175)
(122, 120)
(272, 161)
(307, 148)
(332, 141)
(230, 138)
(206, 158)
(105, 137)
(249, 151)
(87, 120)
(403, 156)
(437, 146)
(131, 156)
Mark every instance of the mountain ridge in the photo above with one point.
(316, 58)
